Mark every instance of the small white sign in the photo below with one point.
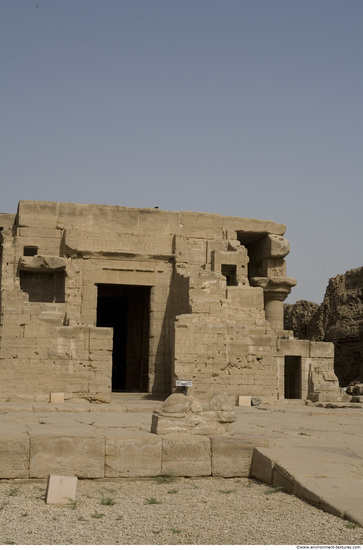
(187, 383)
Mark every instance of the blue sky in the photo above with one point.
(248, 108)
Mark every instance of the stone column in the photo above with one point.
(275, 290)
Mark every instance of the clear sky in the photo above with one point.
(250, 108)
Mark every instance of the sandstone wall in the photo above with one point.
(214, 287)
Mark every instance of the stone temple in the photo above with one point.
(98, 299)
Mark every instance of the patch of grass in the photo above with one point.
(351, 525)
(168, 477)
(112, 491)
(194, 486)
(227, 491)
(9, 542)
(81, 518)
(25, 515)
(271, 490)
(39, 488)
(54, 518)
(157, 532)
(72, 504)
(176, 531)
(97, 515)
(152, 501)
(13, 492)
(173, 491)
(118, 519)
(3, 505)
(108, 501)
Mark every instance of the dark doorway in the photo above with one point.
(292, 377)
(126, 308)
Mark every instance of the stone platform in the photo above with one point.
(316, 453)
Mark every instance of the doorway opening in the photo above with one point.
(292, 377)
(126, 308)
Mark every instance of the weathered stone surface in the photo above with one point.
(263, 463)
(210, 413)
(133, 456)
(67, 455)
(14, 456)
(232, 456)
(42, 263)
(270, 246)
(186, 455)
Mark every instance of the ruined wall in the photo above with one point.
(215, 287)
(339, 319)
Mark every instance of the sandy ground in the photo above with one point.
(186, 511)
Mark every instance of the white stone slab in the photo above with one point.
(57, 397)
(61, 489)
(244, 400)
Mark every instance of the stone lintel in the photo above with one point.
(42, 263)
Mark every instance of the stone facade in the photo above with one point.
(98, 298)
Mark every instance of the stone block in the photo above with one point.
(270, 246)
(292, 347)
(244, 400)
(193, 225)
(42, 263)
(321, 349)
(14, 456)
(246, 297)
(61, 489)
(303, 490)
(161, 222)
(251, 228)
(67, 455)
(135, 456)
(232, 456)
(186, 455)
(282, 478)
(262, 465)
(57, 397)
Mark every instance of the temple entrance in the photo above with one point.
(126, 308)
(292, 377)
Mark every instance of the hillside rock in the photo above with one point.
(339, 319)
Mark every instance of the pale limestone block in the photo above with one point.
(321, 349)
(101, 344)
(57, 397)
(270, 246)
(160, 222)
(194, 224)
(61, 489)
(101, 332)
(251, 228)
(133, 456)
(293, 347)
(14, 456)
(67, 455)
(232, 456)
(244, 400)
(186, 455)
